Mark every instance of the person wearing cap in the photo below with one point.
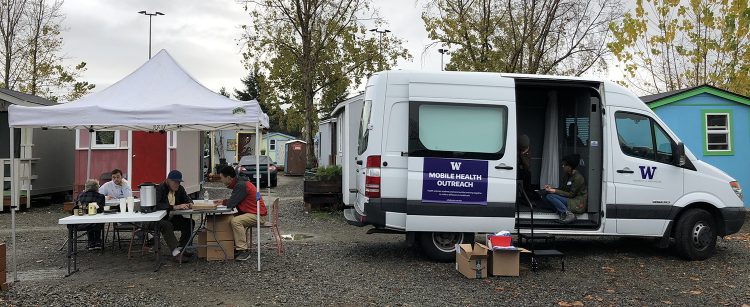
(171, 195)
(571, 198)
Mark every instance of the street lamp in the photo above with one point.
(149, 27)
(380, 32)
(442, 52)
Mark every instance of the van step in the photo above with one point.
(351, 217)
(554, 224)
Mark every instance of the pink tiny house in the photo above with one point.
(140, 155)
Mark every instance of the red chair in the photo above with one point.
(273, 225)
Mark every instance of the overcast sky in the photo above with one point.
(201, 35)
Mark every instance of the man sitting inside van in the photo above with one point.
(571, 198)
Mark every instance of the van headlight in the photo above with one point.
(737, 189)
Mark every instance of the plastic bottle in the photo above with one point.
(205, 195)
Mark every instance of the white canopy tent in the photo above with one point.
(158, 96)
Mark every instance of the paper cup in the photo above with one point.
(123, 205)
(131, 204)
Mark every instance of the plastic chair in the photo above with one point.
(273, 225)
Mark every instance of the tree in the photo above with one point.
(32, 45)
(314, 51)
(565, 37)
(667, 45)
(255, 87)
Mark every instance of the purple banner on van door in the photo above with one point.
(454, 181)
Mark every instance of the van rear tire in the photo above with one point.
(695, 235)
(440, 246)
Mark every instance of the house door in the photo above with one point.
(149, 158)
(245, 145)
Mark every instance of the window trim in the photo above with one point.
(652, 124)
(94, 145)
(172, 139)
(417, 149)
(730, 132)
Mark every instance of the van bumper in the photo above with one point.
(733, 219)
(353, 218)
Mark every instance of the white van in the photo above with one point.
(437, 160)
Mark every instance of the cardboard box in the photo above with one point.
(201, 244)
(214, 253)
(208, 236)
(506, 262)
(471, 261)
(219, 223)
(3, 257)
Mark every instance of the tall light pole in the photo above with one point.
(380, 32)
(149, 27)
(442, 52)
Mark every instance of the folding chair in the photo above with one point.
(273, 225)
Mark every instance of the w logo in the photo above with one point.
(648, 172)
(456, 166)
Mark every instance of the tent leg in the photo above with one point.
(13, 202)
(88, 155)
(257, 190)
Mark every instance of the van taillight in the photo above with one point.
(372, 177)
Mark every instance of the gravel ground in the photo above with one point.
(341, 265)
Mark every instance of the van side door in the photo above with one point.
(461, 165)
(647, 182)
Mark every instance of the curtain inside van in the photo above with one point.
(550, 156)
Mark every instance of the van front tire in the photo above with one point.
(440, 246)
(695, 235)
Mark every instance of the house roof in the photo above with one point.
(270, 134)
(13, 97)
(661, 99)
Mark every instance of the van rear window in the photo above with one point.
(364, 132)
(469, 131)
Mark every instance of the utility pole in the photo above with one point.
(380, 32)
(442, 52)
(149, 27)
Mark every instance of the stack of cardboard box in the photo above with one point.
(3, 268)
(218, 232)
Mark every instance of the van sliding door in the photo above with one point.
(461, 166)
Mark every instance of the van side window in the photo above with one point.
(451, 130)
(364, 133)
(641, 137)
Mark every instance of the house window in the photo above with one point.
(272, 145)
(106, 139)
(718, 132)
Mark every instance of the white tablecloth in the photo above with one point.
(113, 218)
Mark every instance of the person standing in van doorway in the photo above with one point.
(571, 198)
(524, 164)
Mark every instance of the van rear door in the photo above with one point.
(462, 162)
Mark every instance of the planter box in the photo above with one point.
(319, 194)
(322, 187)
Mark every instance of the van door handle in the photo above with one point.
(625, 171)
(359, 162)
(503, 166)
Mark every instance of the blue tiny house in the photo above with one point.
(713, 123)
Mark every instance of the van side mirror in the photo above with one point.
(679, 155)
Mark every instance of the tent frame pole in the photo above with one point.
(88, 154)
(13, 201)
(257, 190)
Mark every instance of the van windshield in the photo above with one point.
(364, 133)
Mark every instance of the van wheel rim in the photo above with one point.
(446, 241)
(702, 236)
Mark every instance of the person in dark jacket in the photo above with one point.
(243, 198)
(91, 195)
(571, 198)
(171, 195)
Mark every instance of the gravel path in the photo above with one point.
(341, 265)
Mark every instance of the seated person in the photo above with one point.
(90, 195)
(171, 195)
(571, 198)
(242, 198)
(118, 187)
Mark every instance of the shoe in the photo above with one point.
(243, 255)
(567, 218)
(187, 254)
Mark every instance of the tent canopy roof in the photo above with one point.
(159, 95)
